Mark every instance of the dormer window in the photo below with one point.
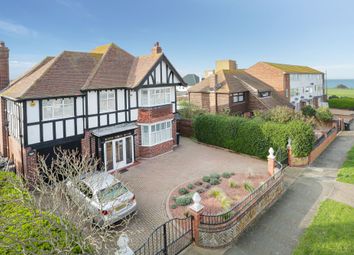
(264, 94)
(238, 97)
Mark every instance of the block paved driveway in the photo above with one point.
(153, 179)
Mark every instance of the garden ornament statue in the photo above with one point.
(196, 199)
(123, 248)
(289, 143)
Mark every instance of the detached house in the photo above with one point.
(106, 102)
(300, 85)
(228, 89)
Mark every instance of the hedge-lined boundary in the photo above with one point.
(341, 103)
(40, 232)
(254, 136)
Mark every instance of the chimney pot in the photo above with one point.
(156, 49)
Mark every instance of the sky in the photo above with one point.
(192, 33)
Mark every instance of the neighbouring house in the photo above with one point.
(301, 85)
(228, 89)
(107, 103)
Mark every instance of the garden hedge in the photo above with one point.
(341, 103)
(254, 136)
(40, 232)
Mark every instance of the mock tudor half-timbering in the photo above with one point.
(105, 102)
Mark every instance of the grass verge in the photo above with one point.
(346, 172)
(330, 233)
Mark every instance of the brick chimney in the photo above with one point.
(4, 66)
(156, 49)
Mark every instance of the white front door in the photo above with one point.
(118, 153)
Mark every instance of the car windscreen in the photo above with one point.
(111, 193)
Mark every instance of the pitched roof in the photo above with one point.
(294, 68)
(106, 67)
(63, 75)
(230, 82)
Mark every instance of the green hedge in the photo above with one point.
(24, 224)
(341, 103)
(253, 136)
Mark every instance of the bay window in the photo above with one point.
(155, 96)
(58, 108)
(107, 101)
(156, 133)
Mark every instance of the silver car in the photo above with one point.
(104, 197)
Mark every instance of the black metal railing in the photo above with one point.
(170, 238)
(227, 219)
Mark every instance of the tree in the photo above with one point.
(67, 227)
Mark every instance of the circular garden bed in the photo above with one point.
(219, 192)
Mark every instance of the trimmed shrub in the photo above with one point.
(324, 114)
(308, 111)
(215, 176)
(184, 200)
(183, 191)
(248, 186)
(226, 175)
(254, 136)
(214, 181)
(206, 178)
(174, 206)
(341, 103)
(190, 186)
(173, 198)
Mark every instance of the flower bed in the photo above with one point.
(219, 192)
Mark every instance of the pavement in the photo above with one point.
(153, 179)
(278, 230)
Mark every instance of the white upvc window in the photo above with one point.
(155, 96)
(58, 108)
(156, 133)
(107, 101)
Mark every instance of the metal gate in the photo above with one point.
(170, 238)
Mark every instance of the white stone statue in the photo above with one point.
(196, 199)
(123, 248)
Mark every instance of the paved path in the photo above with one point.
(278, 230)
(153, 179)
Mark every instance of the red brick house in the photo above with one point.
(229, 89)
(300, 85)
(106, 102)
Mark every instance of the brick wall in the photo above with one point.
(30, 164)
(15, 152)
(153, 115)
(223, 102)
(185, 128)
(88, 144)
(270, 75)
(201, 100)
(4, 66)
(149, 152)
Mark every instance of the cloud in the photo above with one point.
(17, 29)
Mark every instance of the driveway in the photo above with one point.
(152, 180)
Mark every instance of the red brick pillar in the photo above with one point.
(196, 211)
(88, 144)
(30, 165)
(271, 162)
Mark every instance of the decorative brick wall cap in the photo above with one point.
(271, 153)
(196, 207)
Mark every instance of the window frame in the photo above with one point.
(157, 133)
(104, 98)
(239, 95)
(52, 105)
(151, 98)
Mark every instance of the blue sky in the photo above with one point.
(193, 33)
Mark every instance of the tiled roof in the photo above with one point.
(106, 67)
(294, 68)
